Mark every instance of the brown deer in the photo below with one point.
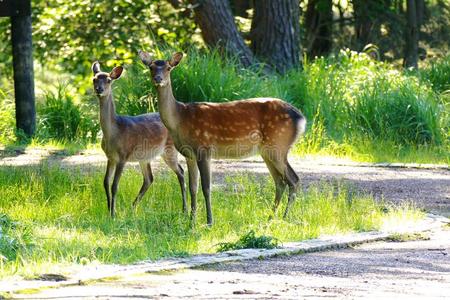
(202, 131)
(126, 138)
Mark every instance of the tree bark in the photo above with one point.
(318, 23)
(275, 33)
(22, 49)
(412, 36)
(216, 22)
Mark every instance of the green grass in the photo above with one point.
(61, 217)
(356, 107)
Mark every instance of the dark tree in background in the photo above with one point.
(275, 33)
(367, 20)
(412, 35)
(318, 27)
(216, 21)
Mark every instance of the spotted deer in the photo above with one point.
(131, 138)
(236, 129)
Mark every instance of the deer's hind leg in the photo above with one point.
(280, 184)
(146, 170)
(170, 156)
(293, 181)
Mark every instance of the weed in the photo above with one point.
(250, 241)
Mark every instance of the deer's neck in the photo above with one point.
(168, 107)
(107, 115)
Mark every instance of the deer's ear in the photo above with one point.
(116, 72)
(175, 60)
(96, 67)
(145, 57)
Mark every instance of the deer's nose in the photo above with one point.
(157, 79)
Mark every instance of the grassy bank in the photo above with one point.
(356, 107)
(52, 218)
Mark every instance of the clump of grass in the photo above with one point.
(248, 241)
(7, 118)
(438, 74)
(15, 238)
(60, 118)
(408, 237)
(67, 208)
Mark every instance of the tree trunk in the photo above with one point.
(22, 49)
(367, 21)
(318, 23)
(216, 21)
(412, 35)
(275, 33)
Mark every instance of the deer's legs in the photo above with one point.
(110, 168)
(117, 175)
(146, 169)
(293, 181)
(193, 185)
(171, 160)
(204, 166)
(280, 185)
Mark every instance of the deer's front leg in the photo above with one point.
(110, 168)
(117, 175)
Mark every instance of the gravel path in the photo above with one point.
(383, 270)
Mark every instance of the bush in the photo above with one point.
(7, 118)
(438, 74)
(250, 241)
(61, 119)
(355, 96)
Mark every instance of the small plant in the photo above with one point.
(249, 241)
(14, 238)
(409, 237)
(7, 117)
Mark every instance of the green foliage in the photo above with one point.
(75, 33)
(61, 119)
(7, 118)
(250, 241)
(438, 74)
(67, 208)
(354, 96)
(15, 239)
(133, 92)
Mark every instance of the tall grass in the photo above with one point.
(66, 213)
(59, 118)
(7, 117)
(352, 103)
(438, 74)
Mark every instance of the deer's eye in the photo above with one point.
(169, 68)
(108, 80)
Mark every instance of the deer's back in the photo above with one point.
(250, 124)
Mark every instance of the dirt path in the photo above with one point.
(384, 270)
